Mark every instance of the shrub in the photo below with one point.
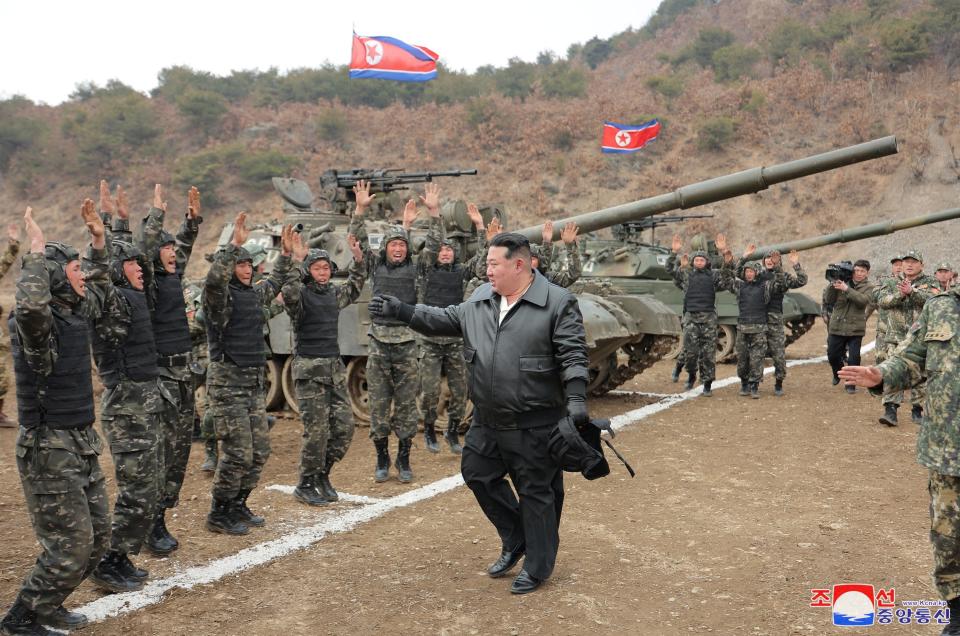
(790, 39)
(753, 101)
(332, 125)
(715, 133)
(665, 15)
(203, 109)
(854, 54)
(905, 42)
(595, 51)
(259, 167)
(516, 80)
(563, 140)
(481, 111)
(564, 80)
(709, 41)
(669, 86)
(204, 170)
(113, 128)
(734, 61)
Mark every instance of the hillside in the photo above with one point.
(737, 84)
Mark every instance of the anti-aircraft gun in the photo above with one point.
(631, 316)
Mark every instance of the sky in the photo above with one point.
(48, 47)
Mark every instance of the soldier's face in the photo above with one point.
(912, 267)
(896, 267)
(244, 272)
(75, 278)
(860, 274)
(397, 250)
(944, 276)
(749, 275)
(320, 271)
(700, 262)
(168, 256)
(507, 275)
(446, 255)
(131, 269)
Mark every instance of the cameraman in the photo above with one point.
(848, 320)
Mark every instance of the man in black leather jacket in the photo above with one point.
(526, 355)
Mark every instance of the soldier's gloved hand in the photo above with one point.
(391, 307)
(577, 402)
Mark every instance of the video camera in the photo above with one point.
(840, 271)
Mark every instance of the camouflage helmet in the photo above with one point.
(56, 258)
(244, 255)
(702, 254)
(123, 252)
(257, 253)
(314, 255)
(756, 266)
(166, 238)
(447, 242)
(395, 232)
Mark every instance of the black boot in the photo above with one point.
(916, 414)
(430, 437)
(308, 493)
(271, 420)
(755, 390)
(405, 475)
(131, 571)
(453, 437)
(889, 416)
(677, 368)
(778, 388)
(160, 542)
(707, 392)
(744, 388)
(197, 433)
(691, 379)
(325, 487)
(953, 628)
(22, 620)
(221, 518)
(382, 473)
(64, 619)
(210, 463)
(109, 574)
(244, 514)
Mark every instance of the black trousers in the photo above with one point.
(840, 347)
(533, 521)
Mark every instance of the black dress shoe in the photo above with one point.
(506, 561)
(524, 583)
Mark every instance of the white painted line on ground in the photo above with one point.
(348, 519)
(344, 496)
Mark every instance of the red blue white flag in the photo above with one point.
(621, 138)
(388, 58)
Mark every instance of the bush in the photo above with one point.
(854, 54)
(563, 80)
(203, 109)
(332, 125)
(709, 41)
(669, 86)
(665, 15)
(595, 51)
(17, 132)
(481, 111)
(204, 170)
(715, 133)
(790, 39)
(85, 91)
(516, 80)
(259, 167)
(840, 24)
(753, 101)
(563, 140)
(115, 127)
(732, 62)
(905, 42)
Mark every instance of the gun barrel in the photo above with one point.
(721, 188)
(848, 235)
(389, 177)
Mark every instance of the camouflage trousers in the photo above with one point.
(176, 425)
(700, 346)
(436, 360)
(327, 421)
(917, 393)
(240, 420)
(751, 348)
(777, 345)
(135, 445)
(66, 495)
(392, 381)
(4, 350)
(945, 533)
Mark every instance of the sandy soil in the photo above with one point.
(739, 508)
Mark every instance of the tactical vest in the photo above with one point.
(701, 295)
(170, 329)
(776, 295)
(317, 331)
(241, 340)
(395, 281)
(136, 358)
(444, 287)
(753, 309)
(67, 401)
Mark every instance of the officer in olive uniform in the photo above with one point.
(57, 446)
(314, 305)
(233, 313)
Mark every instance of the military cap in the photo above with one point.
(895, 258)
(943, 265)
(914, 254)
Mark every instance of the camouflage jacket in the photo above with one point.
(898, 311)
(880, 283)
(34, 319)
(305, 368)
(681, 276)
(217, 305)
(7, 260)
(734, 285)
(565, 273)
(371, 260)
(931, 350)
(198, 337)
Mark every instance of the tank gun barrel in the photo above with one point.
(859, 233)
(721, 188)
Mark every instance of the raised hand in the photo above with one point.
(794, 258)
(355, 249)
(474, 213)
(158, 201)
(677, 244)
(13, 232)
(286, 239)
(123, 204)
(240, 231)
(106, 203)
(684, 260)
(193, 202)
(547, 234)
(34, 233)
(409, 214)
(431, 198)
(750, 250)
(94, 223)
(721, 242)
(569, 233)
(493, 229)
(361, 191)
(300, 248)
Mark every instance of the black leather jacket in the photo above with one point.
(517, 369)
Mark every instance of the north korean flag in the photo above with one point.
(388, 58)
(621, 138)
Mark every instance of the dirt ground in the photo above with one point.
(740, 507)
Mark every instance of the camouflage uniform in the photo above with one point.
(776, 337)
(751, 335)
(320, 382)
(7, 260)
(63, 485)
(931, 351)
(235, 393)
(563, 274)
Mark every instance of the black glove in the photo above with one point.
(390, 307)
(577, 402)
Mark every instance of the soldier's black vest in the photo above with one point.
(67, 400)
(170, 329)
(136, 358)
(241, 340)
(701, 295)
(753, 309)
(776, 295)
(395, 281)
(317, 331)
(444, 286)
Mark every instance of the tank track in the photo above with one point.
(798, 328)
(641, 355)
